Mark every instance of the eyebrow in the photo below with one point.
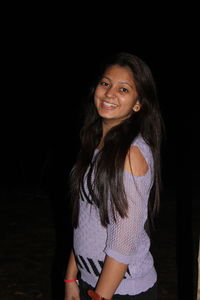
(124, 82)
(121, 82)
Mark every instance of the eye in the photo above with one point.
(103, 83)
(124, 90)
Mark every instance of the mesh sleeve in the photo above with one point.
(123, 236)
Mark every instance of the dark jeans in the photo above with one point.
(150, 294)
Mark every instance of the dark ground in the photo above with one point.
(28, 247)
(36, 239)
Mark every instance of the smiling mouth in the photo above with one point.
(107, 104)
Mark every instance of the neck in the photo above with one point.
(106, 126)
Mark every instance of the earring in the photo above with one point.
(136, 108)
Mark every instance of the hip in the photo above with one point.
(150, 294)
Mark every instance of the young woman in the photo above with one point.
(115, 186)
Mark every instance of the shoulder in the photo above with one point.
(137, 162)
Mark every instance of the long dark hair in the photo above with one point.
(110, 160)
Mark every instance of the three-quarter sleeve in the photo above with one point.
(124, 235)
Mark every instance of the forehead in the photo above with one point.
(121, 73)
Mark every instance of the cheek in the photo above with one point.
(127, 103)
(98, 92)
(96, 100)
(97, 96)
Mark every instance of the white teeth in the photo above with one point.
(109, 104)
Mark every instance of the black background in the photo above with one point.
(47, 66)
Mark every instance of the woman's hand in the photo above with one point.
(72, 291)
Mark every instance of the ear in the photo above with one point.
(137, 106)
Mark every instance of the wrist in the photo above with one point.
(94, 296)
(70, 280)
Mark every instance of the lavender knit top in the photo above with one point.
(125, 240)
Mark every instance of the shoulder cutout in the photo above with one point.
(135, 162)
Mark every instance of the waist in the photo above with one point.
(130, 289)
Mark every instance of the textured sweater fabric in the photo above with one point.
(125, 240)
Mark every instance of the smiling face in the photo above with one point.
(115, 96)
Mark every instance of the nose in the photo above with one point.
(110, 93)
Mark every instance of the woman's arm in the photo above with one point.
(123, 235)
(111, 276)
(71, 288)
(72, 269)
